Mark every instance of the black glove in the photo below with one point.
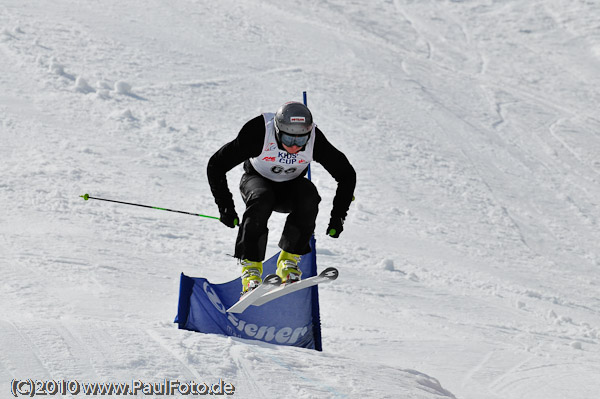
(336, 226)
(228, 217)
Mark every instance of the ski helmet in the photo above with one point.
(293, 119)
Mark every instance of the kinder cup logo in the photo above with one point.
(270, 147)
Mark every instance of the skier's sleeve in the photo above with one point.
(338, 166)
(247, 144)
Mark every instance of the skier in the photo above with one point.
(276, 150)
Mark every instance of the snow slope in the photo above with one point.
(470, 254)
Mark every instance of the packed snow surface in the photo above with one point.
(469, 262)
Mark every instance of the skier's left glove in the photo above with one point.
(336, 226)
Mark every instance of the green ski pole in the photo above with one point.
(88, 197)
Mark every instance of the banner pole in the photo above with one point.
(313, 272)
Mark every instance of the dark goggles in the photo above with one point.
(291, 140)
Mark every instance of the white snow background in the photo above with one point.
(469, 264)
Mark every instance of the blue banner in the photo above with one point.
(291, 320)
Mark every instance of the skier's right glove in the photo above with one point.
(336, 226)
(229, 217)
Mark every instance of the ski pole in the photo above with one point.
(88, 197)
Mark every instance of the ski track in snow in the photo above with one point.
(470, 253)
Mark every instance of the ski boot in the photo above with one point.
(251, 275)
(287, 267)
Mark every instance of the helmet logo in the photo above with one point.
(297, 119)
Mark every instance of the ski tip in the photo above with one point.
(331, 273)
(85, 196)
(272, 279)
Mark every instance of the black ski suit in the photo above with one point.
(298, 197)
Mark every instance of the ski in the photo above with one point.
(270, 282)
(326, 276)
